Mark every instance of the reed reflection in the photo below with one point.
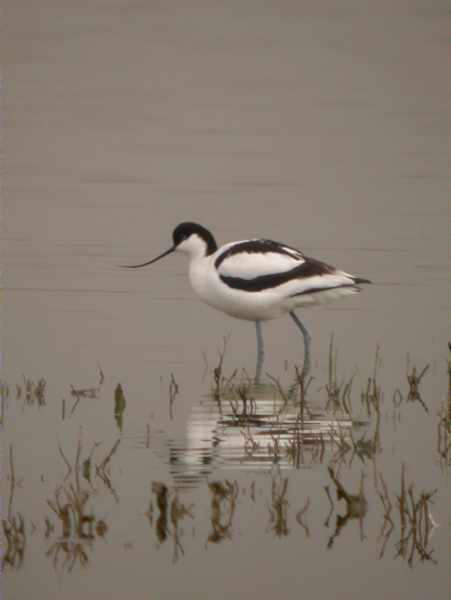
(77, 525)
(415, 523)
(356, 506)
(279, 506)
(271, 431)
(169, 506)
(253, 427)
(223, 506)
(444, 425)
(29, 392)
(248, 426)
(13, 526)
(16, 540)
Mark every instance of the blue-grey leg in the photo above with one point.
(260, 351)
(307, 340)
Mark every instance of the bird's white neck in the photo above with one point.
(194, 247)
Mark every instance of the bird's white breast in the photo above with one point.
(199, 272)
(206, 283)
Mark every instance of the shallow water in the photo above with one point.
(319, 125)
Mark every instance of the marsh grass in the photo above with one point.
(173, 392)
(444, 424)
(4, 395)
(240, 392)
(237, 389)
(301, 452)
(218, 375)
(73, 527)
(414, 380)
(444, 436)
(92, 393)
(119, 406)
(32, 392)
(371, 396)
(338, 393)
(244, 404)
(368, 445)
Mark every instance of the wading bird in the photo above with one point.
(258, 280)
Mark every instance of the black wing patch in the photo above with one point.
(261, 246)
(310, 268)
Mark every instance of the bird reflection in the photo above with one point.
(252, 428)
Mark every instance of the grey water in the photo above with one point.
(126, 470)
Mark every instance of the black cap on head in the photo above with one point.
(185, 230)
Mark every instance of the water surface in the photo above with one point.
(319, 125)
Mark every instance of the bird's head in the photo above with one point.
(190, 238)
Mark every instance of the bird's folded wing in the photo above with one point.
(258, 265)
(251, 259)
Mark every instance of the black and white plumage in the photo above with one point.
(260, 264)
(257, 279)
